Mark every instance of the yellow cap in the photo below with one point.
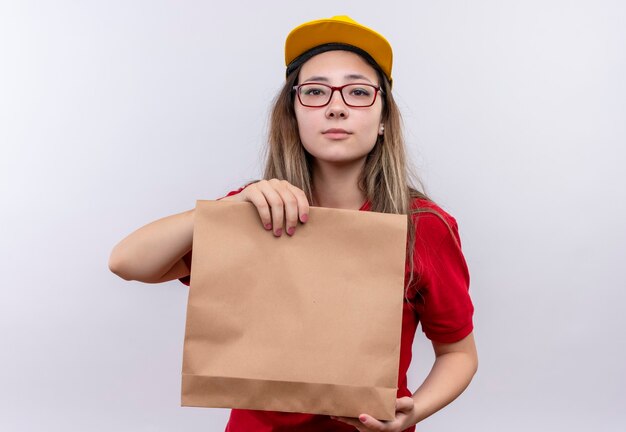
(339, 29)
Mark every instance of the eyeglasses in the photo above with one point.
(317, 95)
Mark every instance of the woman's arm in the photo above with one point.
(154, 252)
(455, 365)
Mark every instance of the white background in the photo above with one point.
(117, 113)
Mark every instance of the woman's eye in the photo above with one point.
(314, 91)
(360, 92)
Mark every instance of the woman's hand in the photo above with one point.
(278, 202)
(404, 419)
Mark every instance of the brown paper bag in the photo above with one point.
(309, 323)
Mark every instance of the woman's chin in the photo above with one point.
(337, 158)
(337, 153)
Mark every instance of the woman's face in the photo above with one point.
(360, 125)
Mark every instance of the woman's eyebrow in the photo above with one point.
(357, 76)
(316, 78)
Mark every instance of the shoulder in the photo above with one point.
(232, 192)
(236, 191)
(432, 223)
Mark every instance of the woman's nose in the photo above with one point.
(336, 107)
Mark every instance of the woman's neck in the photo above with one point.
(336, 186)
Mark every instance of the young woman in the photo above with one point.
(335, 141)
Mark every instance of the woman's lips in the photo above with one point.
(336, 133)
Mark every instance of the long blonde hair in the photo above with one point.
(388, 180)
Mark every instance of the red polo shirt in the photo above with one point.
(443, 306)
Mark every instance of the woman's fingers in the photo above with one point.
(366, 422)
(279, 203)
(275, 202)
(291, 204)
(303, 203)
(253, 194)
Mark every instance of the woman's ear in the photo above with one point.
(381, 129)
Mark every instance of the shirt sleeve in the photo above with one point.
(187, 257)
(443, 303)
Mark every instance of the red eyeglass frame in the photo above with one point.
(377, 90)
